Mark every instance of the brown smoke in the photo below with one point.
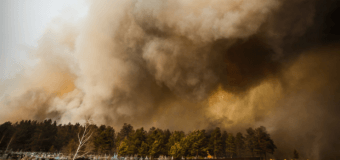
(184, 64)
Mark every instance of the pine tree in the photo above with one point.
(197, 143)
(36, 139)
(264, 143)
(126, 130)
(155, 148)
(125, 134)
(175, 150)
(137, 139)
(62, 137)
(175, 137)
(224, 138)
(71, 147)
(44, 136)
(231, 147)
(123, 149)
(251, 142)
(155, 141)
(216, 142)
(144, 149)
(185, 146)
(106, 140)
(166, 138)
(296, 154)
(240, 144)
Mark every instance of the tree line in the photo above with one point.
(48, 136)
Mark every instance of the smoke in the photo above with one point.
(189, 65)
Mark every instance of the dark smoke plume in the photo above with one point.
(184, 64)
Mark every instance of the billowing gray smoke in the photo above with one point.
(190, 64)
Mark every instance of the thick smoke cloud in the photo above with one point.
(184, 64)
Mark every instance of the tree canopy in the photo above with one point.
(48, 136)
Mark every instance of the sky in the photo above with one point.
(22, 23)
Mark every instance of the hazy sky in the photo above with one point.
(22, 23)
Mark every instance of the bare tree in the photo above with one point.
(2, 138)
(85, 136)
(9, 143)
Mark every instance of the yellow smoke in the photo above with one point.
(247, 108)
(58, 83)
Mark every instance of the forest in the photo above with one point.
(48, 136)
